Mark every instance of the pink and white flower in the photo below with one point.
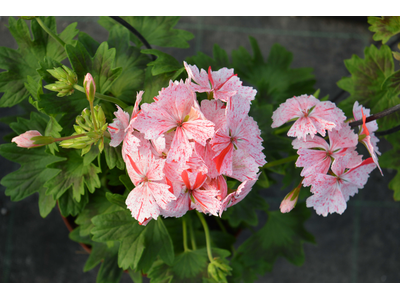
(330, 193)
(194, 196)
(241, 192)
(121, 125)
(239, 132)
(151, 192)
(316, 154)
(176, 111)
(311, 116)
(367, 129)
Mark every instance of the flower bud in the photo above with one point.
(90, 87)
(66, 80)
(290, 200)
(24, 140)
(91, 135)
(99, 115)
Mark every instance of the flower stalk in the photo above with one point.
(114, 100)
(207, 234)
(49, 32)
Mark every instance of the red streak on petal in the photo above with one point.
(185, 178)
(220, 158)
(201, 203)
(134, 165)
(221, 85)
(137, 217)
(199, 180)
(367, 161)
(171, 189)
(144, 221)
(110, 127)
(210, 77)
(364, 118)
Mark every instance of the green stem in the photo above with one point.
(207, 233)
(280, 161)
(283, 129)
(69, 137)
(120, 103)
(93, 118)
(185, 247)
(49, 32)
(192, 237)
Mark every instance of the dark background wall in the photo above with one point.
(362, 245)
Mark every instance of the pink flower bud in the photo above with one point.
(90, 86)
(24, 140)
(290, 200)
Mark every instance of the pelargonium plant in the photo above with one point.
(159, 164)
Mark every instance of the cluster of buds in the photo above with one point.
(334, 170)
(66, 80)
(179, 149)
(91, 124)
(86, 133)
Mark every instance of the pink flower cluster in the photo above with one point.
(334, 170)
(178, 150)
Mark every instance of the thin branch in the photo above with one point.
(389, 131)
(376, 116)
(135, 32)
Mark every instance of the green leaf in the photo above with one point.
(31, 52)
(116, 199)
(98, 205)
(121, 226)
(391, 160)
(157, 242)
(153, 84)
(160, 273)
(190, 264)
(99, 66)
(136, 277)
(69, 107)
(33, 173)
(46, 203)
(132, 62)
(53, 129)
(115, 226)
(69, 206)
(245, 211)
(46, 64)
(366, 84)
(88, 42)
(113, 156)
(99, 252)
(139, 245)
(91, 155)
(74, 235)
(384, 27)
(282, 235)
(131, 250)
(274, 80)
(164, 63)
(74, 175)
(127, 182)
(109, 271)
(157, 31)
(203, 61)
